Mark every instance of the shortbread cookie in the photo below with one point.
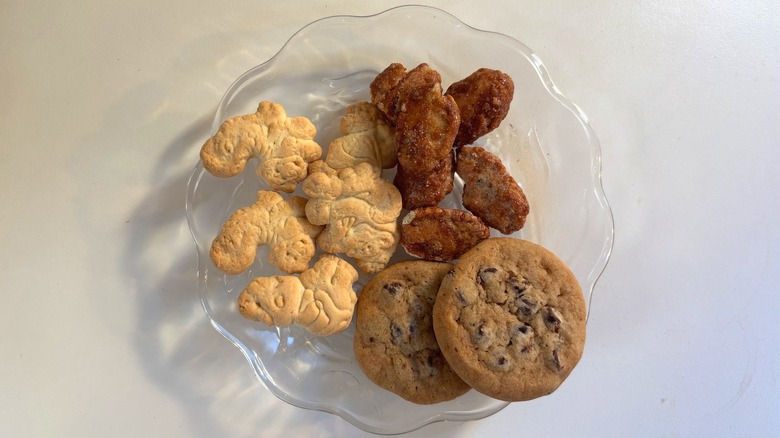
(510, 319)
(359, 210)
(283, 146)
(490, 192)
(321, 300)
(274, 221)
(441, 234)
(394, 341)
(366, 138)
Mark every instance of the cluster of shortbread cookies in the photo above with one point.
(500, 315)
(350, 210)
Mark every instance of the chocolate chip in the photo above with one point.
(516, 286)
(486, 277)
(461, 297)
(523, 338)
(552, 319)
(417, 310)
(482, 336)
(524, 331)
(527, 306)
(502, 363)
(424, 362)
(556, 361)
(392, 288)
(431, 361)
(397, 333)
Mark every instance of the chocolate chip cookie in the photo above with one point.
(394, 341)
(510, 319)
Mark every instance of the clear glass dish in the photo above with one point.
(546, 142)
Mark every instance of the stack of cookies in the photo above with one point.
(507, 319)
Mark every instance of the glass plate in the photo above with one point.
(545, 142)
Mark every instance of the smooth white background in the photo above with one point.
(104, 105)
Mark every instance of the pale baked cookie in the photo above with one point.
(510, 319)
(394, 341)
(359, 210)
(366, 138)
(321, 300)
(274, 221)
(283, 146)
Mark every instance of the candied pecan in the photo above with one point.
(425, 190)
(490, 192)
(441, 234)
(483, 99)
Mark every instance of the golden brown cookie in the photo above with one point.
(394, 341)
(441, 234)
(321, 300)
(359, 210)
(274, 221)
(367, 138)
(490, 192)
(510, 319)
(284, 146)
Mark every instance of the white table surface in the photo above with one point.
(103, 109)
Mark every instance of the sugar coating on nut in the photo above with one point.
(490, 192)
(283, 146)
(271, 220)
(384, 93)
(359, 210)
(441, 234)
(426, 190)
(483, 99)
(426, 123)
(321, 300)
